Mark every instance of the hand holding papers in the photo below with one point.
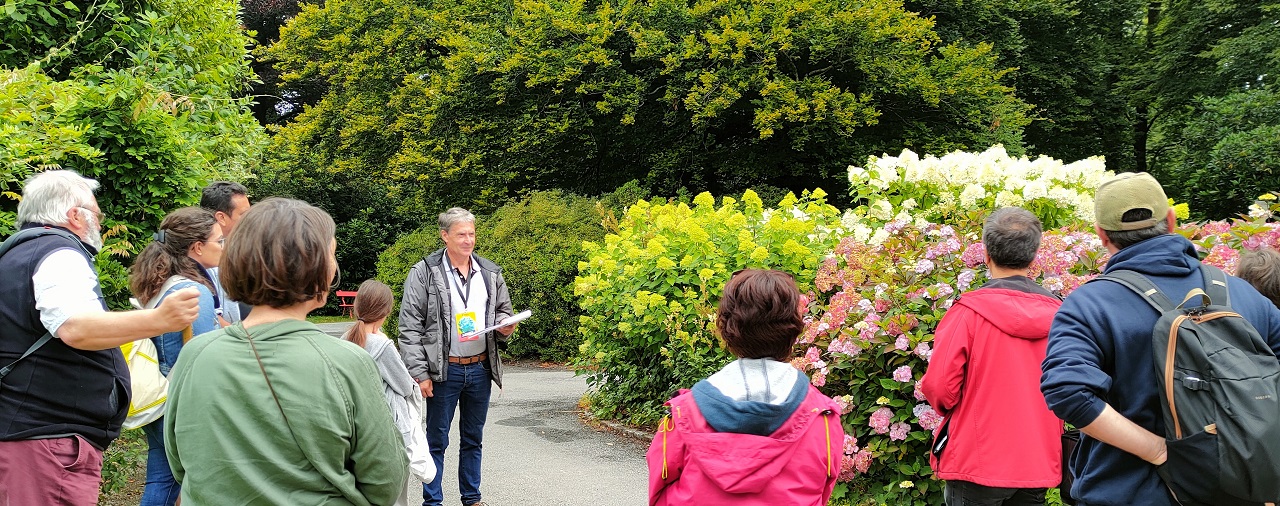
(510, 320)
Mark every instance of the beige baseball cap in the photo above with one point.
(1125, 192)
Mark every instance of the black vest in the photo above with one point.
(58, 390)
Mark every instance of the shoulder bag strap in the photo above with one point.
(14, 240)
(279, 406)
(1142, 286)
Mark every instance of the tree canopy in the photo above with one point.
(469, 102)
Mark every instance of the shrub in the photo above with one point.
(538, 242)
(869, 335)
(649, 291)
(943, 189)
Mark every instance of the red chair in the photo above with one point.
(346, 301)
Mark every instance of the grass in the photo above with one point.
(328, 319)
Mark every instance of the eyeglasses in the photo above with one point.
(97, 214)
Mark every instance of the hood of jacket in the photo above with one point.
(1020, 314)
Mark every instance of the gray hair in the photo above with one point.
(454, 216)
(1124, 238)
(1011, 236)
(47, 196)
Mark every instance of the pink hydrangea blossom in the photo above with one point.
(903, 343)
(902, 374)
(1223, 257)
(819, 378)
(974, 255)
(924, 266)
(965, 278)
(882, 305)
(899, 431)
(845, 402)
(862, 461)
(918, 394)
(880, 420)
(923, 351)
(929, 419)
(850, 444)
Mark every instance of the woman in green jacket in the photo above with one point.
(272, 411)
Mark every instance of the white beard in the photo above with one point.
(93, 236)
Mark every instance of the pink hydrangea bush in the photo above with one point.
(869, 335)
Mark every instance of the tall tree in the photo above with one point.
(141, 96)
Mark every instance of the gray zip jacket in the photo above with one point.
(426, 318)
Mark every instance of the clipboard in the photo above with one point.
(510, 320)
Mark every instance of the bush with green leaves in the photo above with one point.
(148, 100)
(649, 291)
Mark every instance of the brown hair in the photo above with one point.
(373, 302)
(1261, 268)
(166, 255)
(281, 255)
(759, 314)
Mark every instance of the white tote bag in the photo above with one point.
(421, 465)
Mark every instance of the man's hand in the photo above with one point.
(178, 310)
(506, 331)
(427, 388)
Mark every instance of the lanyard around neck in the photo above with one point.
(463, 288)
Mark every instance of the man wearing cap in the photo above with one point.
(1098, 373)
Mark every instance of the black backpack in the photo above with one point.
(1221, 383)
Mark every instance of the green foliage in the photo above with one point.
(538, 242)
(649, 291)
(1229, 153)
(123, 460)
(148, 108)
(505, 98)
(395, 262)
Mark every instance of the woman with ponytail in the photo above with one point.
(189, 242)
(372, 306)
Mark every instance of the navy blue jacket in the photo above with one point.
(1100, 353)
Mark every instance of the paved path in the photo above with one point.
(537, 452)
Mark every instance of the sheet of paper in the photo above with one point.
(511, 320)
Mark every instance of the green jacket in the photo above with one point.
(229, 445)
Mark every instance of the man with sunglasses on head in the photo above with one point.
(64, 385)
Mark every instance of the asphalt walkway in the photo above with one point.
(538, 452)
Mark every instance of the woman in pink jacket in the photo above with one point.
(756, 432)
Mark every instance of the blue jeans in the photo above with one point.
(161, 489)
(467, 390)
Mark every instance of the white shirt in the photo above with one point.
(476, 302)
(64, 287)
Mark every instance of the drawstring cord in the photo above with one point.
(665, 426)
(826, 420)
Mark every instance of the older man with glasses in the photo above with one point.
(64, 385)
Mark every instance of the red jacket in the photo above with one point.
(796, 465)
(984, 378)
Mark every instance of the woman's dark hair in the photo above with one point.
(759, 315)
(373, 302)
(167, 254)
(281, 256)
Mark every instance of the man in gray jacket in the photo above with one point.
(448, 296)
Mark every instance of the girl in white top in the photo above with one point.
(371, 307)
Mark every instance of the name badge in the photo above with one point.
(466, 322)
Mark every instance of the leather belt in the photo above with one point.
(468, 360)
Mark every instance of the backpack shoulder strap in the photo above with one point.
(1142, 286)
(1215, 285)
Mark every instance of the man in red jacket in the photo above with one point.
(999, 443)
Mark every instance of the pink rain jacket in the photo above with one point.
(796, 465)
